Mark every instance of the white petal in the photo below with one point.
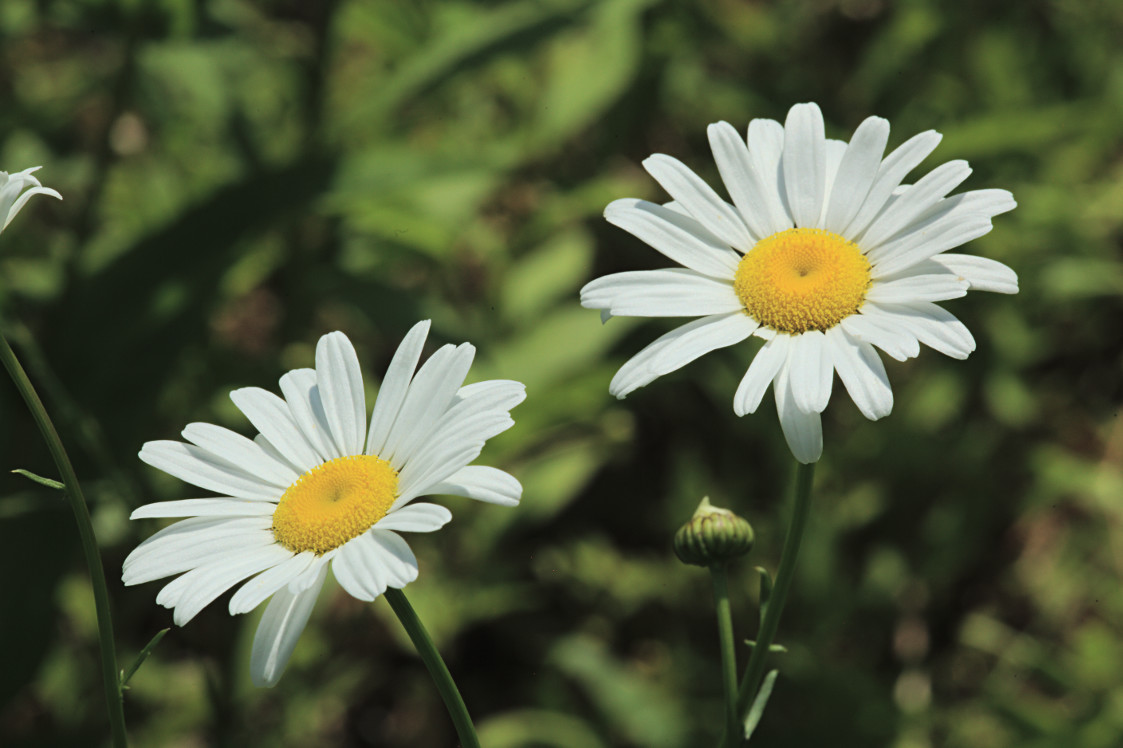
(500, 394)
(21, 201)
(860, 369)
(835, 150)
(913, 203)
(908, 249)
(893, 169)
(307, 408)
(196, 589)
(856, 173)
(227, 507)
(679, 347)
(672, 292)
(396, 558)
(483, 484)
(358, 568)
(810, 371)
(756, 200)
(430, 394)
(802, 431)
(416, 517)
(255, 591)
(917, 288)
(200, 468)
(933, 326)
(395, 385)
(699, 199)
(766, 149)
(191, 543)
(340, 382)
(271, 416)
(681, 239)
(900, 345)
(983, 274)
(804, 163)
(280, 628)
(238, 450)
(764, 368)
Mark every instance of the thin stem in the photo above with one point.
(754, 674)
(109, 675)
(725, 636)
(437, 668)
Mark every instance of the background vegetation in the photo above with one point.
(241, 177)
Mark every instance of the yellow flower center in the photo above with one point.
(802, 279)
(334, 502)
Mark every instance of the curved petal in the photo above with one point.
(681, 239)
(340, 383)
(860, 369)
(280, 628)
(190, 593)
(900, 345)
(932, 325)
(981, 273)
(804, 163)
(358, 569)
(482, 483)
(913, 202)
(762, 371)
(756, 200)
(200, 468)
(224, 507)
(191, 543)
(802, 431)
(395, 385)
(679, 347)
(918, 288)
(671, 292)
(238, 450)
(416, 517)
(856, 173)
(395, 557)
(699, 200)
(255, 591)
(307, 408)
(810, 371)
(271, 416)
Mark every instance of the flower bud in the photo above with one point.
(713, 536)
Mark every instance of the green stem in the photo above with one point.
(754, 674)
(89, 542)
(725, 636)
(437, 668)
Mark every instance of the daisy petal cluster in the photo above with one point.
(13, 195)
(321, 486)
(824, 253)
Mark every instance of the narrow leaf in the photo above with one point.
(761, 701)
(765, 591)
(774, 648)
(39, 479)
(140, 658)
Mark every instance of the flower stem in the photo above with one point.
(113, 697)
(436, 666)
(725, 636)
(754, 674)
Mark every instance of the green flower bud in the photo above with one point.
(713, 536)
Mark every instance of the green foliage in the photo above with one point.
(242, 176)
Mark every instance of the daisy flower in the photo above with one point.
(317, 487)
(824, 254)
(11, 185)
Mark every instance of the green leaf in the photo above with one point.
(756, 711)
(40, 479)
(140, 658)
(765, 591)
(775, 648)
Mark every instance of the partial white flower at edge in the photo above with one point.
(823, 253)
(11, 187)
(318, 486)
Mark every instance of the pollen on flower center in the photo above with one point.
(333, 503)
(802, 279)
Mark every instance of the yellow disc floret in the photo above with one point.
(333, 503)
(802, 279)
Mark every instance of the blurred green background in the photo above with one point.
(240, 177)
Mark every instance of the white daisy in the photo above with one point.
(824, 254)
(11, 185)
(317, 486)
